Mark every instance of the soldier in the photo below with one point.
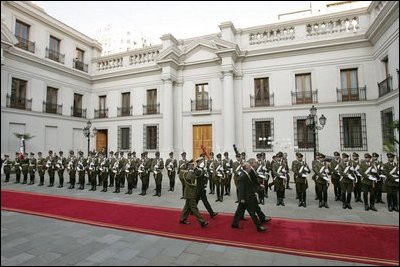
(129, 169)
(279, 176)
(32, 168)
(391, 184)
(261, 176)
(182, 167)
(286, 163)
(210, 164)
(157, 166)
(171, 164)
(41, 167)
(25, 167)
(219, 176)
(368, 180)
(335, 176)
(117, 169)
(61, 162)
(111, 160)
(7, 167)
(227, 165)
(81, 168)
(357, 186)
(300, 170)
(199, 171)
(136, 163)
(237, 168)
(145, 174)
(17, 168)
(190, 194)
(50, 166)
(103, 170)
(92, 170)
(379, 183)
(322, 180)
(71, 169)
(267, 164)
(244, 156)
(123, 173)
(346, 181)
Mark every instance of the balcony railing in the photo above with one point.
(55, 55)
(79, 65)
(351, 94)
(151, 109)
(385, 86)
(25, 44)
(124, 111)
(19, 103)
(264, 102)
(49, 107)
(78, 112)
(304, 97)
(202, 104)
(101, 113)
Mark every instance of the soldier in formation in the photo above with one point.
(157, 166)
(171, 165)
(301, 170)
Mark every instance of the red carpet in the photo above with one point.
(363, 243)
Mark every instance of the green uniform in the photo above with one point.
(300, 170)
(346, 182)
(279, 176)
(25, 169)
(112, 160)
(190, 194)
(156, 167)
(171, 165)
(219, 176)
(321, 173)
(182, 168)
(335, 178)
(17, 168)
(210, 171)
(41, 167)
(71, 169)
(81, 168)
(391, 184)
(129, 170)
(92, 172)
(227, 165)
(357, 184)
(7, 169)
(51, 168)
(32, 169)
(368, 181)
(103, 172)
(60, 165)
(145, 175)
(236, 167)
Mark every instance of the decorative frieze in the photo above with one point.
(333, 26)
(273, 35)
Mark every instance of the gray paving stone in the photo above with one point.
(196, 248)
(100, 256)
(109, 239)
(173, 250)
(126, 254)
(187, 259)
(16, 260)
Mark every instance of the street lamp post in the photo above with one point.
(312, 123)
(87, 133)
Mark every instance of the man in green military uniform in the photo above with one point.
(171, 164)
(379, 183)
(227, 165)
(129, 169)
(368, 181)
(322, 180)
(300, 170)
(7, 167)
(190, 194)
(279, 176)
(357, 185)
(71, 169)
(25, 167)
(145, 174)
(156, 167)
(103, 170)
(219, 176)
(182, 168)
(51, 166)
(60, 165)
(32, 168)
(81, 168)
(41, 167)
(92, 170)
(210, 164)
(335, 175)
(123, 173)
(391, 184)
(199, 171)
(136, 163)
(111, 160)
(17, 168)
(347, 180)
(237, 168)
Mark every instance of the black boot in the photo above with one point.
(366, 207)
(326, 205)
(320, 204)
(365, 196)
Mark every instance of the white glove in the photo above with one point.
(284, 171)
(397, 180)
(374, 171)
(304, 176)
(326, 171)
(372, 178)
(283, 177)
(351, 168)
(351, 177)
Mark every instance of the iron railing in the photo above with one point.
(78, 112)
(25, 44)
(351, 94)
(18, 102)
(79, 65)
(124, 111)
(55, 55)
(151, 109)
(101, 113)
(202, 104)
(264, 102)
(54, 108)
(304, 97)
(385, 86)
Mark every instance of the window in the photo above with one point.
(79, 60)
(262, 134)
(303, 136)
(102, 107)
(51, 100)
(388, 135)
(126, 100)
(202, 96)
(18, 93)
(79, 55)
(22, 33)
(54, 44)
(353, 133)
(77, 109)
(151, 137)
(349, 84)
(152, 101)
(124, 138)
(261, 92)
(303, 94)
(53, 52)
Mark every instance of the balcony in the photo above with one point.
(19, 103)
(79, 65)
(55, 55)
(201, 105)
(25, 44)
(304, 97)
(53, 108)
(101, 113)
(78, 112)
(385, 86)
(351, 94)
(124, 111)
(151, 109)
(262, 102)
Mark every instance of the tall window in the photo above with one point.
(18, 93)
(304, 135)
(152, 101)
(78, 61)
(55, 44)
(22, 33)
(53, 52)
(77, 112)
(126, 102)
(385, 62)
(353, 134)
(261, 92)
(349, 83)
(262, 134)
(102, 102)
(124, 138)
(303, 89)
(51, 104)
(388, 136)
(202, 96)
(151, 137)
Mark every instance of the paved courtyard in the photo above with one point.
(34, 240)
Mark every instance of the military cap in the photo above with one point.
(171, 153)
(238, 155)
(218, 155)
(39, 153)
(390, 155)
(202, 155)
(336, 153)
(121, 152)
(226, 154)
(258, 155)
(129, 153)
(199, 159)
(80, 153)
(279, 154)
(142, 154)
(344, 155)
(273, 156)
(367, 155)
(183, 153)
(321, 155)
(243, 153)
(133, 153)
(71, 152)
(16, 153)
(299, 155)
(375, 155)
(157, 153)
(262, 154)
(61, 152)
(32, 154)
(211, 153)
(111, 152)
(6, 156)
(50, 151)
(355, 154)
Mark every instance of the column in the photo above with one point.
(168, 120)
(228, 112)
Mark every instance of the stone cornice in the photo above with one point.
(125, 72)
(385, 18)
(36, 114)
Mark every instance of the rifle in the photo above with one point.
(203, 148)
(235, 149)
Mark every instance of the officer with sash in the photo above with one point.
(32, 168)
(335, 175)
(182, 168)
(391, 183)
(41, 167)
(171, 165)
(347, 180)
(71, 169)
(300, 170)
(25, 167)
(369, 173)
(7, 167)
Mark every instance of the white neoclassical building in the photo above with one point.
(252, 87)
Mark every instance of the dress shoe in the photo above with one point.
(236, 226)
(326, 205)
(204, 224)
(348, 206)
(267, 219)
(184, 222)
(214, 214)
(261, 229)
(373, 208)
